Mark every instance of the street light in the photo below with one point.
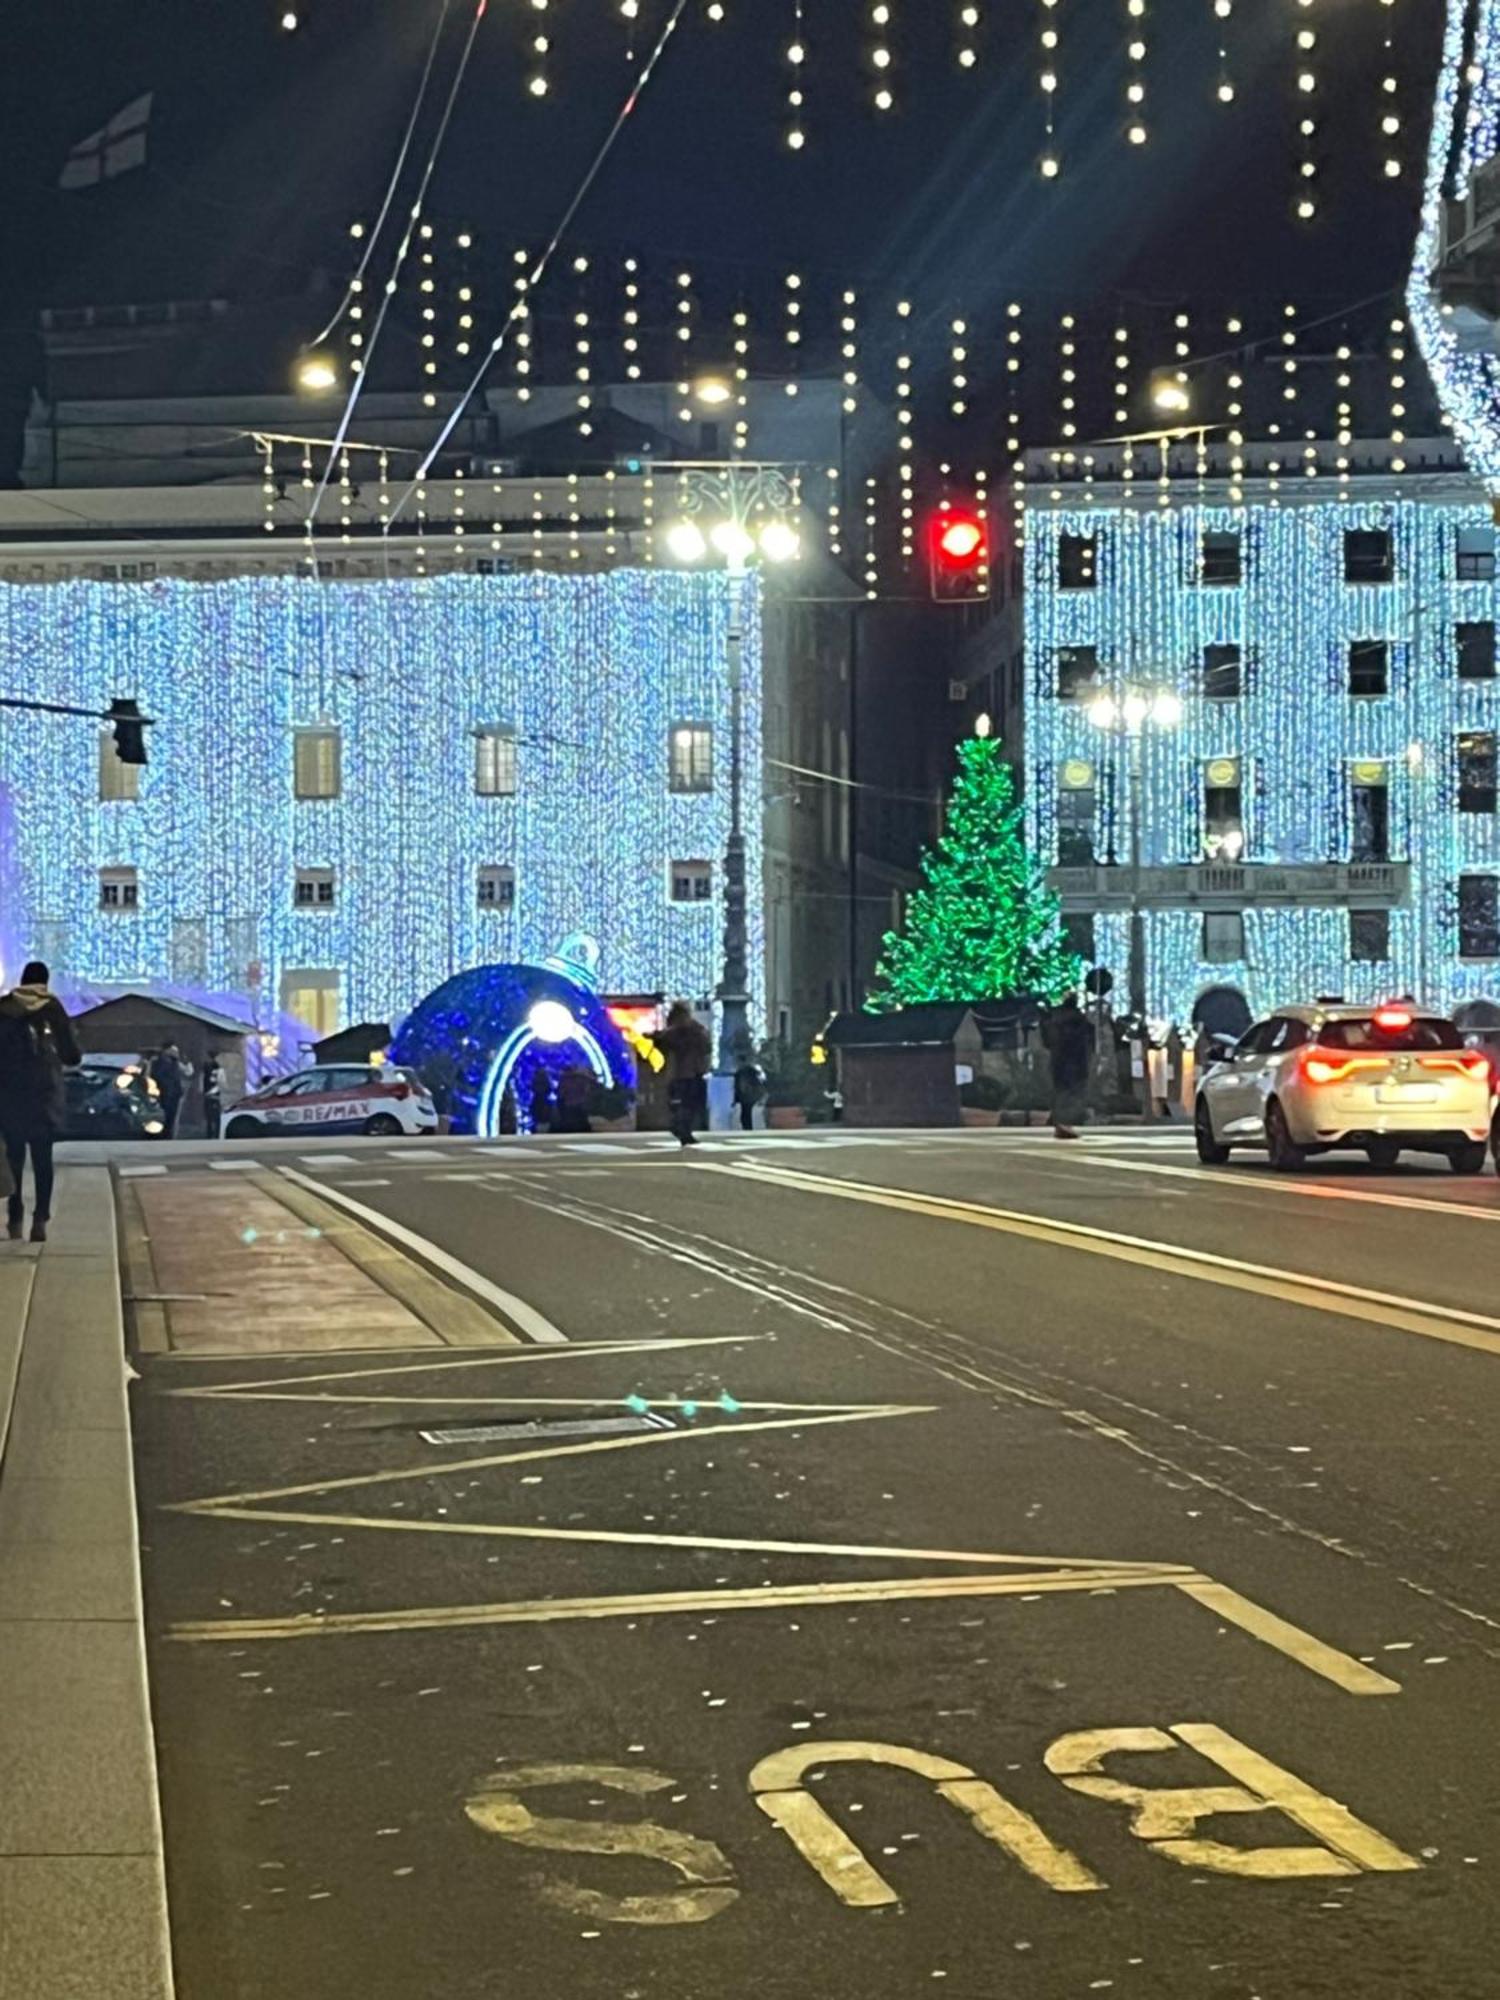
(317, 373)
(1129, 716)
(713, 391)
(737, 511)
(1171, 396)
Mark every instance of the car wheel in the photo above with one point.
(1468, 1158)
(1286, 1157)
(241, 1128)
(1210, 1152)
(383, 1126)
(1384, 1153)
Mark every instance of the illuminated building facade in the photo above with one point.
(1321, 817)
(358, 788)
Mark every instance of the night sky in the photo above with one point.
(265, 145)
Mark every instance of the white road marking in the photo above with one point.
(536, 1326)
(1279, 1184)
(328, 1159)
(230, 1166)
(136, 1173)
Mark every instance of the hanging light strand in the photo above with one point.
(1135, 75)
(1049, 164)
(1224, 81)
(1305, 200)
(796, 55)
(882, 60)
(969, 22)
(1390, 99)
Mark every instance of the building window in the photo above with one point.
(317, 763)
(1369, 667)
(495, 888)
(1223, 937)
(692, 881)
(1479, 916)
(314, 889)
(119, 890)
(1476, 650)
(1369, 936)
(116, 780)
(495, 763)
(1078, 936)
(1077, 672)
(1221, 673)
(1220, 557)
(1477, 771)
(1223, 810)
(1369, 811)
(1368, 555)
(1076, 804)
(691, 757)
(1077, 562)
(1474, 555)
(311, 996)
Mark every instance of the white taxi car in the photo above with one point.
(336, 1097)
(1380, 1080)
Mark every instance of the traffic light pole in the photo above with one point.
(125, 715)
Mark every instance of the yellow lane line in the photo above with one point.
(1350, 1674)
(1233, 1180)
(546, 1610)
(1383, 1309)
(576, 1350)
(636, 1538)
(435, 1468)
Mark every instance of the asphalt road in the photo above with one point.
(1037, 1570)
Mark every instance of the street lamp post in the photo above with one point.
(737, 511)
(1128, 717)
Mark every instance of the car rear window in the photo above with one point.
(1425, 1032)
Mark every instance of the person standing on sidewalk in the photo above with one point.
(213, 1094)
(685, 1044)
(1070, 1043)
(170, 1075)
(37, 1044)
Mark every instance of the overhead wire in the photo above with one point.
(539, 269)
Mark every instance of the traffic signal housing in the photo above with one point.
(130, 731)
(958, 555)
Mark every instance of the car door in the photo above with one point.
(1230, 1088)
(1284, 1035)
(289, 1105)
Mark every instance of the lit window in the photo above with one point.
(314, 889)
(1369, 935)
(495, 888)
(495, 763)
(691, 757)
(692, 881)
(1223, 810)
(1477, 771)
(1369, 814)
(311, 995)
(317, 762)
(1223, 937)
(117, 781)
(1076, 803)
(119, 890)
(1474, 555)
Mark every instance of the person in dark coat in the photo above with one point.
(749, 1085)
(685, 1044)
(574, 1088)
(37, 1044)
(540, 1103)
(1070, 1043)
(170, 1075)
(213, 1095)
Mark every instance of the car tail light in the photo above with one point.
(1468, 1062)
(1393, 1019)
(1328, 1066)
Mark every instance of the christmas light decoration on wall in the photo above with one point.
(1135, 75)
(1289, 737)
(591, 672)
(1307, 84)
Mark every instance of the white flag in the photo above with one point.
(114, 149)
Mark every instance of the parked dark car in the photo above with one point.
(110, 1100)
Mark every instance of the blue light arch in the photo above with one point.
(472, 1039)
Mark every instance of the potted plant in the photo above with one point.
(795, 1086)
(980, 1099)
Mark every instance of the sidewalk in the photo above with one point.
(82, 1897)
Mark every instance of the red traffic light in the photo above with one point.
(962, 540)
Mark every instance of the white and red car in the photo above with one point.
(380, 1100)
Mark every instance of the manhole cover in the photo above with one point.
(545, 1427)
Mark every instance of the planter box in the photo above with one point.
(977, 1115)
(786, 1117)
(625, 1124)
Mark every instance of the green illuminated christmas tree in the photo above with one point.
(983, 925)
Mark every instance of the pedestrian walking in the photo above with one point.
(749, 1086)
(213, 1095)
(170, 1075)
(540, 1101)
(685, 1044)
(1069, 1041)
(37, 1044)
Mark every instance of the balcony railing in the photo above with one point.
(1353, 885)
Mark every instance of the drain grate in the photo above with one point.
(549, 1428)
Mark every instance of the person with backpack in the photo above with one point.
(37, 1044)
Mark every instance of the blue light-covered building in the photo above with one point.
(357, 789)
(1323, 818)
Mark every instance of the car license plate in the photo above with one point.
(1407, 1093)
